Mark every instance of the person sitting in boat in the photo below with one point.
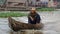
(34, 17)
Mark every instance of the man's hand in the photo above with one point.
(31, 18)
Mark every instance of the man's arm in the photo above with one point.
(38, 19)
(30, 19)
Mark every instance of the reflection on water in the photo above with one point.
(27, 32)
(51, 21)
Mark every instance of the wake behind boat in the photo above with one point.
(16, 25)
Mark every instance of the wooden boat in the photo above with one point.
(16, 25)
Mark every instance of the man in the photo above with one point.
(34, 18)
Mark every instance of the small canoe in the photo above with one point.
(17, 25)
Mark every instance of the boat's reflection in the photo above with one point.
(27, 32)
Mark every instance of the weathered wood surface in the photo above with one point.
(16, 25)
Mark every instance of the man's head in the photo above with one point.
(33, 10)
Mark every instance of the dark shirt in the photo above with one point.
(37, 19)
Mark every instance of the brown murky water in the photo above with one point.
(51, 21)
